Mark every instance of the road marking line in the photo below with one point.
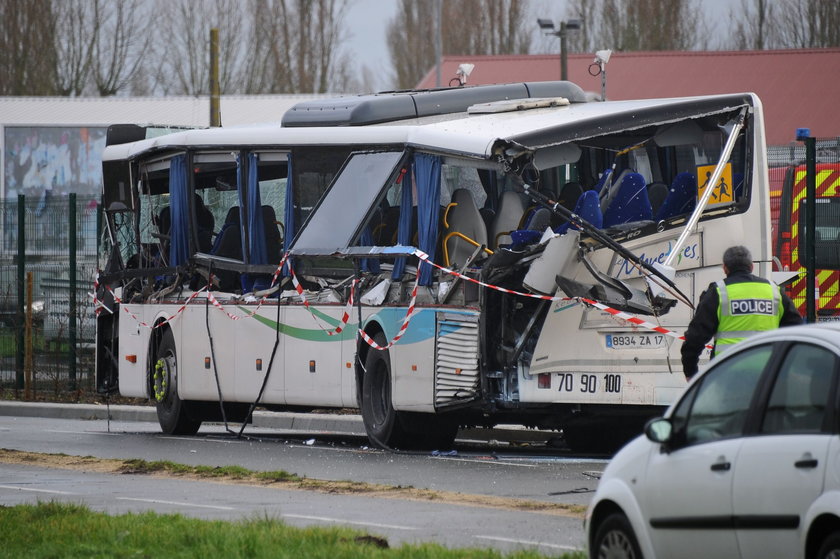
(478, 460)
(84, 432)
(209, 439)
(175, 503)
(36, 490)
(342, 521)
(526, 542)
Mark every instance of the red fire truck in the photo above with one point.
(787, 198)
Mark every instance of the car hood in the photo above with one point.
(629, 463)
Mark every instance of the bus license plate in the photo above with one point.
(635, 341)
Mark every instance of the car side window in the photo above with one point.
(801, 391)
(720, 406)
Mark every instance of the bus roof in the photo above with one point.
(472, 135)
(401, 105)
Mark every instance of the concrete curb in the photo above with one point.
(76, 411)
(350, 424)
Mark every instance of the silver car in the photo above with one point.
(745, 464)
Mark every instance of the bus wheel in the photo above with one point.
(382, 422)
(171, 411)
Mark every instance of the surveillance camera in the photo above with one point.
(461, 74)
(603, 56)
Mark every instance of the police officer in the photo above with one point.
(735, 308)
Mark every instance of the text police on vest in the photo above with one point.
(752, 306)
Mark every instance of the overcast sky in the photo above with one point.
(367, 21)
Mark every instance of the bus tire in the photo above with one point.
(383, 423)
(171, 410)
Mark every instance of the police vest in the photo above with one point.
(745, 309)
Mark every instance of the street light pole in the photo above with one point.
(547, 27)
(564, 60)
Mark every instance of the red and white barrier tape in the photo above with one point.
(159, 324)
(619, 314)
(408, 314)
(215, 302)
(98, 305)
(635, 320)
(345, 318)
(425, 258)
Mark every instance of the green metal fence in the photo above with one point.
(47, 330)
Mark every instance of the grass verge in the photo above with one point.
(48, 530)
(282, 480)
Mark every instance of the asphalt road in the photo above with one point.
(478, 467)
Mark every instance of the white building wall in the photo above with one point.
(54, 142)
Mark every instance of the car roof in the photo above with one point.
(828, 332)
(825, 334)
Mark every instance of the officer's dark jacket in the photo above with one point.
(705, 322)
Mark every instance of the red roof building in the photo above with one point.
(799, 88)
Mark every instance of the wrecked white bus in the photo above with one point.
(437, 259)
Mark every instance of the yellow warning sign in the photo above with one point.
(723, 191)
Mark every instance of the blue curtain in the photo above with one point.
(256, 228)
(427, 178)
(289, 223)
(179, 211)
(404, 224)
(368, 264)
(240, 191)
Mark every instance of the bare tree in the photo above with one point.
(295, 46)
(182, 52)
(78, 26)
(27, 57)
(756, 26)
(634, 25)
(121, 38)
(810, 23)
(587, 38)
(266, 69)
(468, 27)
(408, 38)
(315, 38)
(266, 46)
(484, 27)
(71, 47)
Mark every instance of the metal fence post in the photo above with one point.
(810, 229)
(29, 373)
(21, 264)
(71, 344)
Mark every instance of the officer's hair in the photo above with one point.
(737, 259)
